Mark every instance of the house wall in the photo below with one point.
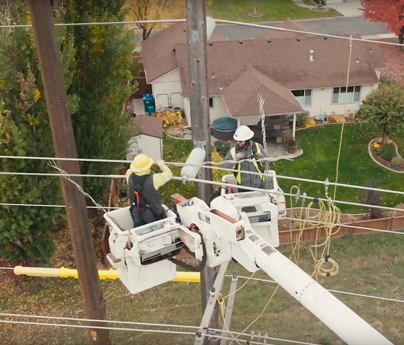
(146, 144)
(322, 101)
(218, 110)
(167, 91)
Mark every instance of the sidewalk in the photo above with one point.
(347, 8)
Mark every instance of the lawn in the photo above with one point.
(318, 162)
(369, 264)
(272, 10)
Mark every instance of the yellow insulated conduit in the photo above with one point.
(189, 277)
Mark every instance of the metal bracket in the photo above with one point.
(201, 144)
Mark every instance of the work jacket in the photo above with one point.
(248, 180)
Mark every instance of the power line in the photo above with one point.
(142, 324)
(216, 183)
(336, 291)
(203, 166)
(261, 26)
(162, 21)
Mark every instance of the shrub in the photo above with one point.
(310, 122)
(380, 149)
(389, 152)
(396, 161)
(222, 147)
(336, 118)
(301, 119)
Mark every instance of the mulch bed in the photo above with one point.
(385, 163)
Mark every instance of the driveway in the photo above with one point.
(348, 8)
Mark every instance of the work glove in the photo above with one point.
(239, 155)
(259, 155)
(160, 162)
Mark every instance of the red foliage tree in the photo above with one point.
(386, 11)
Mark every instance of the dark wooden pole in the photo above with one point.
(65, 147)
(200, 122)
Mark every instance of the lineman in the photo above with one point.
(246, 149)
(145, 200)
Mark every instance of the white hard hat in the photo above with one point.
(243, 133)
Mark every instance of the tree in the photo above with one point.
(24, 131)
(154, 10)
(385, 108)
(95, 62)
(102, 60)
(386, 11)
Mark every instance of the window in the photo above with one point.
(341, 95)
(210, 102)
(303, 97)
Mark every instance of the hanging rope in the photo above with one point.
(343, 122)
(261, 102)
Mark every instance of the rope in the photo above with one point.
(261, 102)
(343, 122)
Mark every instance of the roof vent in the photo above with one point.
(211, 43)
(357, 60)
(311, 57)
(325, 38)
(371, 50)
(213, 75)
(298, 39)
(241, 42)
(269, 41)
(221, 87)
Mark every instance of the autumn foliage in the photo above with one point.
(386, 11)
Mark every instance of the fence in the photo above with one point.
(311, 234)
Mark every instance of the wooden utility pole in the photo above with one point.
(65, 147)
(200, 122)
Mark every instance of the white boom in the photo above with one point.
(217, 234)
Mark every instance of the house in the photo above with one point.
(294, 72)
(148, 139)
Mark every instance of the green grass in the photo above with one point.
(369, 264)
(318, 162)
(272, 10)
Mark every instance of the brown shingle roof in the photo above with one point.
(285, 61)
(286, 24)
(158, 53)
(149, 125)
(240, 96)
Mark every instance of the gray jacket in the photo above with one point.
(248, 180)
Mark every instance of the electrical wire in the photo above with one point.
(162, 21)
(135, 323)
(262, 26)
(330, 290)
(205, 165)
(234, 186)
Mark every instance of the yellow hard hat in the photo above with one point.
(141, 163)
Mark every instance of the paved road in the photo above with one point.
(331, 26)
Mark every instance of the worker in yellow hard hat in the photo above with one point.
(145, 199)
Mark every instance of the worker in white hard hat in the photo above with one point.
(145, 200)
(246, 149)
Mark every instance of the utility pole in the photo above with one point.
(65, 147)
(200, 122)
